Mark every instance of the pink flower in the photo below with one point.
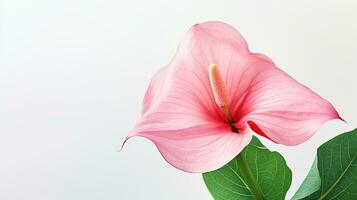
(201, 110)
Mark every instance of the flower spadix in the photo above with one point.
(215, 88)
(219, 91)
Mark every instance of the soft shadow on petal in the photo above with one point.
(200, 148)
(277, 106)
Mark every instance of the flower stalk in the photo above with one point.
(252, 183)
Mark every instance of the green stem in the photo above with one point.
(248, 176)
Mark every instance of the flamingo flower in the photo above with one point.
(202, 109)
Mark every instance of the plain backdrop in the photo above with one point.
(73, 74)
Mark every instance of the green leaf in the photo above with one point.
(311, 183)
(256, 173)
(336, 170)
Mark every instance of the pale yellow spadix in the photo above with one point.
(219, 91)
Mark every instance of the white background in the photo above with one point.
(73, 74)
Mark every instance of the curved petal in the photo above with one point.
(182, 89)
(181, 117)
(203, 45)
(269, 100)
(200, 148)
(153, 92)
(277, 106)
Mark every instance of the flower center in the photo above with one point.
(219, 92)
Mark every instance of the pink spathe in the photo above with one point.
(180, 114)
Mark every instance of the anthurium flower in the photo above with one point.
(202, 109)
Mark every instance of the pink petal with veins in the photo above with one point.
(192, 149)
(153, 92)
(190, 130)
